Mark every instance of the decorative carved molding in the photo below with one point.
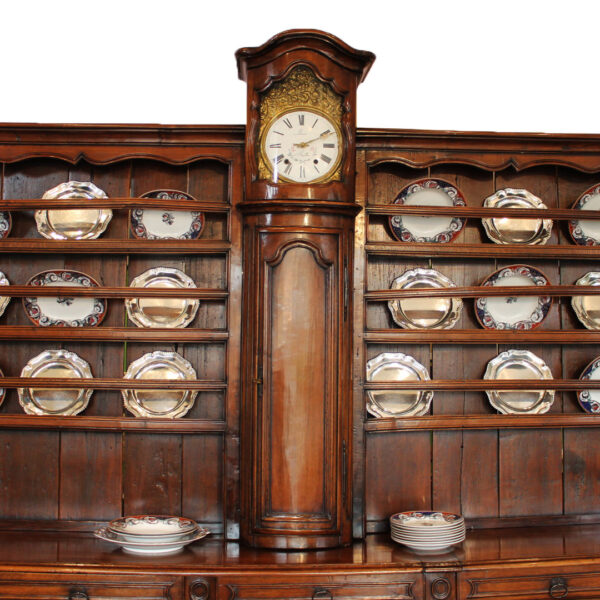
(441, 588)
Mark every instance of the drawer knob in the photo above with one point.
(78, 596)
(558, 587)
(199, 590)
(322, 594)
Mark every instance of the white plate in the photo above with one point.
(586, 232)
(158, 224)
(513, 312)
(150, 548)
(55, 401)
(73, 224)
(64, 311)
(589, 400)
(519, 364)
(394, 366)
(427, 192)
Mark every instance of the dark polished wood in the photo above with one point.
(526, 484)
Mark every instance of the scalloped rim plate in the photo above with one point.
(158, 365)
(586, 232)
(589, 400)
(64, 311)
(449, 308)
(410, 370)
(73, 224)
(500, 312)
(498, 229)
(581, 304)
(515, 362)
(427, 192)
(167, 224)
(70, 365)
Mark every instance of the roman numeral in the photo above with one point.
(301, 119)
(326, 132)
(278, 159)
(302, 172)
(288, 123)
(277, 132)
(313, 125)
(275, 146)
(317, 170)
(325, 158)
(328, 145)
(288, 168)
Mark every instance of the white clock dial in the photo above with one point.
(301, 146)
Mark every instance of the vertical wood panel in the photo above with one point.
(479, 489)
(29, 475)
(152, 474)
(582, 471)
(202, 495)
(398, 473)
(530, 472)
(90, 477)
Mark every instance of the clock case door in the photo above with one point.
(297, 417)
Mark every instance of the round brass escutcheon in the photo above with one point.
(440, 588)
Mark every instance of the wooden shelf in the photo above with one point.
(481, 212)
(446, 422)
(112, 203)
(470, 385)
(106, 383)
(108, 246)
(116, 424)
(27, 291)
(481, 336)
(501, 251)
(483, 291)
(111, 334)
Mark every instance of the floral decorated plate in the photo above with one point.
(73, 223)
(587, 232)
(64, 311)
(589, 400)
(5, 223)
(513, 312)
(427, 192)
(156, 224)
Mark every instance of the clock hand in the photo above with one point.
(304, 144)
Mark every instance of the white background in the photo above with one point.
(507, 65)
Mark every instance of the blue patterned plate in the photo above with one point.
(589, 400)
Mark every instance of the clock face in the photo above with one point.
(301, 146)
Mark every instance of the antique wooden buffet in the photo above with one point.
(278, 456)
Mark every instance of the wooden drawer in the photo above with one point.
(75, 586)
(403, 586)
(530, 584)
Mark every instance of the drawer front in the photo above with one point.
(391, 587)
(75, 586)
(573, 583)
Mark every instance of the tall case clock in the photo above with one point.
(298, 215)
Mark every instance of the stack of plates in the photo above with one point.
(427, 531)
(149, 534)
